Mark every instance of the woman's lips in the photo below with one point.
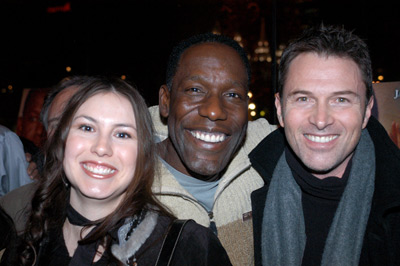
(98, 170)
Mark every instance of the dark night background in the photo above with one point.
(39, 39)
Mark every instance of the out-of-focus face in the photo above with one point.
(206, 110)
(101, 152)
(57, 108)
(323, 111)
(29, 126)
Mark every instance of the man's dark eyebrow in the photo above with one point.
(299, 92)
(200, 78)
(347, 92)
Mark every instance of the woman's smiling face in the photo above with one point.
(101, 150)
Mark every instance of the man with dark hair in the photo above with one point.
(332, 179)
(205, 171)
(181, 47)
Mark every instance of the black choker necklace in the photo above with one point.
(84, 254)
(76, 218)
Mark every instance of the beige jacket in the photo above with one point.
(232, 206)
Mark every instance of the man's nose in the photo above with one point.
(321, 116)
(212, 107)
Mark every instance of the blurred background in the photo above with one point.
(44, 41)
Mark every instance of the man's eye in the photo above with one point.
(302, 99)
(341, 100)
(194, 89)
(233, 95)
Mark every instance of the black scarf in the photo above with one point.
(84, 254)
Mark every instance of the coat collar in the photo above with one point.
(387, 178)
(387, 155)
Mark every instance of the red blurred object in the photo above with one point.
(64, 8)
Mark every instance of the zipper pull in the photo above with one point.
(213, 227)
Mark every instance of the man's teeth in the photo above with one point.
(323, 139)
(208, 137)
(99, 170)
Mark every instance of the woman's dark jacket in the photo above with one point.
(197, 246)
(382, 238)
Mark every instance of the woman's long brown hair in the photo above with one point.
(51, 197)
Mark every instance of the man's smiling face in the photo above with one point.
(323, 111)
(206, 110)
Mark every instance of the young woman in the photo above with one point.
(94, 205)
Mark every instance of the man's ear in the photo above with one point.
(368, 111)
(279, 109)
(163, 100)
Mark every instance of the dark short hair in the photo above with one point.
(329, 41)
(177, 51)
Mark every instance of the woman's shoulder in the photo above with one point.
(198, 245)
(191, 231)
(190, 228)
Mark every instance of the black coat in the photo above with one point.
(382, 238)
(197, 246)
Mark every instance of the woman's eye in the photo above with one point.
(86, 128)
(123, 135)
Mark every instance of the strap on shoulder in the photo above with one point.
(170, 242)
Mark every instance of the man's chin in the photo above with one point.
(206, 174)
